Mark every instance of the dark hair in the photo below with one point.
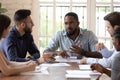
(4, 23)
(21, 14)
(113, 18)
(116, 33)
(72, 14)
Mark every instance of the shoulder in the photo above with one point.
(117, 56)
(11, 37)
(60, 33)
(86, 31)
(12, 34)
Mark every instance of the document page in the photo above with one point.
(70, 59)
(84, 67)
(87, 74)
(38, 70)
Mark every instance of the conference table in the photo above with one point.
(55, 73)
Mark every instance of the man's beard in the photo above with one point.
(72, 33)
(27, 30)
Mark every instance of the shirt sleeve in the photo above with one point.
(54, 43)
(92, 41)
(33, 50)
(9, 49)
(106, 53)
(106, 62)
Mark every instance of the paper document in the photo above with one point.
(82, 74)
(54, 64)
(77, 76)
(84, 67)
(70, 59)
(39, 70)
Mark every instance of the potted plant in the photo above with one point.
(2, 10)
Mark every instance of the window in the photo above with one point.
(104, 7)
(90, 12)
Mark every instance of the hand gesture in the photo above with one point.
(63, 54)
(48, 57)
(76, 49)
(99, 46)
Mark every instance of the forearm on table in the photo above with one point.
(10, 70)
(13, 63)
(108, 72)
(92, 54)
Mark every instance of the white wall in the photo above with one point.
(33, 5)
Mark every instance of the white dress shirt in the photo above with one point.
(106, 62)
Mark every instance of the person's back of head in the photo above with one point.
(113, 18)
(72, 14)
(116, 39)
(20, 15)
(4, 23)
(116, 33)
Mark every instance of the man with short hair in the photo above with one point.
(20, 40)
(72, 41)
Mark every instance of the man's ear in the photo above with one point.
(22, 24)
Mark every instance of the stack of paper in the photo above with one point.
(70, 59)
(39, 70)
(54, 64)
(82, 74)
(84, 67)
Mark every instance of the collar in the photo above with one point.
(16, 32)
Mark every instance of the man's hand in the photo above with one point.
(83, 61)
(99, 46)
(79, 50)
(101, 69)
(63, 54)
(98, 67)
(76, 49)
(47, 57)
